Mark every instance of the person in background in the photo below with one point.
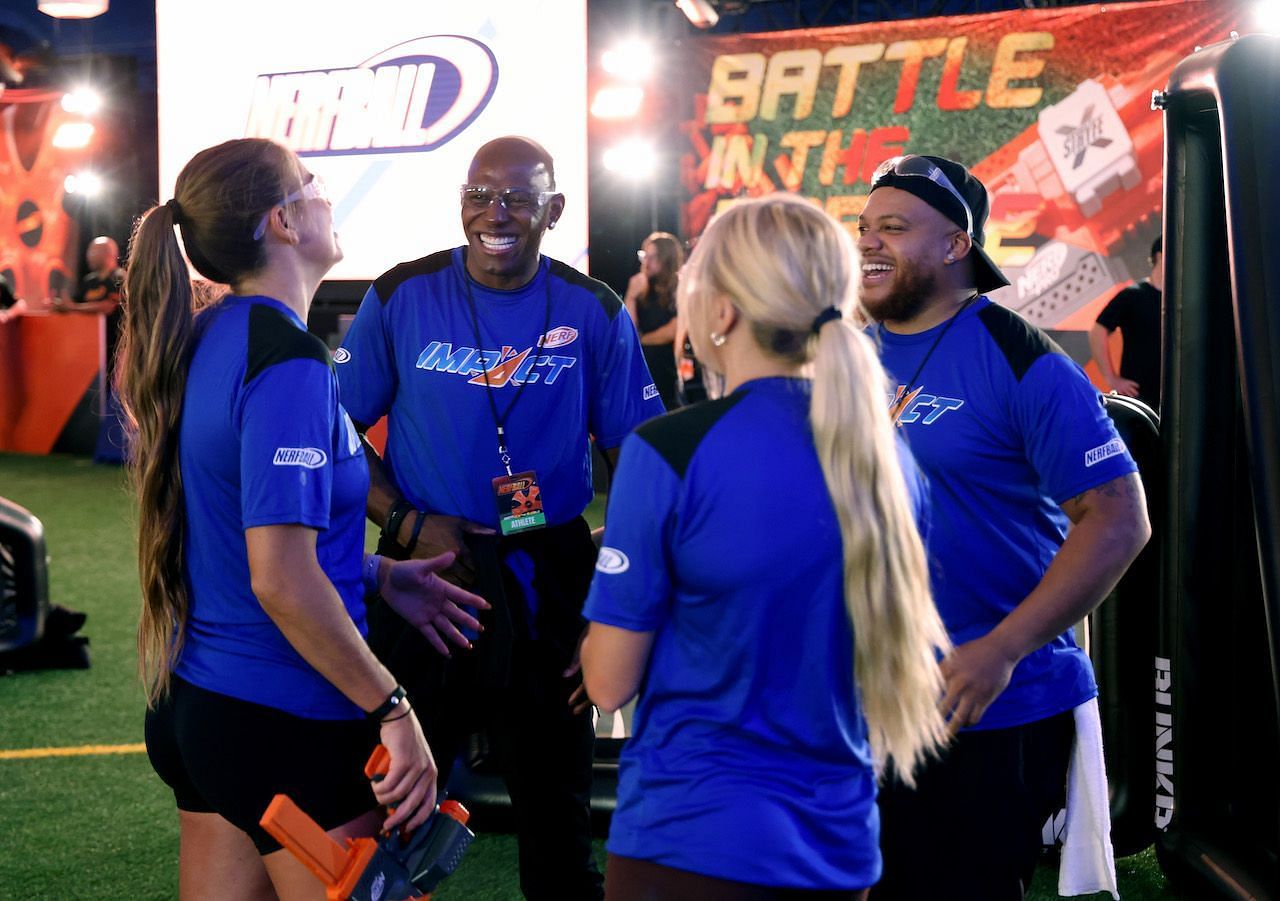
(1136, 312)
(11, 306)
(651, 301)
(99, 290)
(763, 586)
(1037, 511)
(251, 485)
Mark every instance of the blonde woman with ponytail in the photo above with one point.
(764, 588)
(251, 487)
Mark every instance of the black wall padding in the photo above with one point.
(1217, 697)
(24, 578)
(1122, 641)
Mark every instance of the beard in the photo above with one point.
(911, 290)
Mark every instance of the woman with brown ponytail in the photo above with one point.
(251, 487)
(763, 586)
(651, 301)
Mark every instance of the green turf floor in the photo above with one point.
(103, 826)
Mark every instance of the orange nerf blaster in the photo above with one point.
(366, 869)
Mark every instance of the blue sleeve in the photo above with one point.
(366, 364)
(623, 394)
(1069, 438)
(287, 420)
(633, 579)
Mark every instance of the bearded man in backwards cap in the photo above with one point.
(1037, 512)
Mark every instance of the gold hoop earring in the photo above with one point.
(717, 339)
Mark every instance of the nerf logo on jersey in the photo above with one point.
(1112, 448)
(559, 337)
(306, 457)
(912, 406)
(494, 367)
(412, 97)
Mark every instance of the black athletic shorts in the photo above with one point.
(231, 757)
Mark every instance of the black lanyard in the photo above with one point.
(500, 422)
(932, 347)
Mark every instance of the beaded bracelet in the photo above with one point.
(371, 566)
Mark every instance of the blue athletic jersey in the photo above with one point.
(749, 759)
(413, 354)
(264, 442)
(1006, 428)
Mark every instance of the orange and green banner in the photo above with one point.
(1050, 108)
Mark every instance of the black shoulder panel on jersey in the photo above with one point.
(274, 339)
(677, 435)
(603, 293)
(1020, 341)
(385, 285)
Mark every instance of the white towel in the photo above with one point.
(1088, 862)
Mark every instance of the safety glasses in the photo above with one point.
(313, 189)
(513, 200)
(919, 167)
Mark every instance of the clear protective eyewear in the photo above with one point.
(513, 200)
(919, 167)
(312, 189)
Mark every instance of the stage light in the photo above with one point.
(73, 9)
(633, 159)
(700, 12)
(73, 135)
(1266, 16)
(630, 61)
(86, 184)
(82, 101)
(617, 102)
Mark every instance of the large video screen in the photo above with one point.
(386, 100)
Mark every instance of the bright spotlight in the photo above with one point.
(73, 9)
(86, 184)
(1266, 16)
(73, 135)
(82, 102)
(631, 159)
(617, 102)
(632, 61)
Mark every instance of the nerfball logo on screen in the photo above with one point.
(413, 97)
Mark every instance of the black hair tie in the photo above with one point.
(173, 207)
(824, 317)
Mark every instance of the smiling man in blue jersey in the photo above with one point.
(1037, 512)
(496, 366)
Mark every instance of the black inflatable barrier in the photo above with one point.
(1217, 692)
(24, 577)
(1122, 641)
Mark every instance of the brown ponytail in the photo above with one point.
(218, 199)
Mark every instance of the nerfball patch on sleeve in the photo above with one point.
(385, 285)
(273, 339)
(1020, 341)
(609, 301)
(677, 435)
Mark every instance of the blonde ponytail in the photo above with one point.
(783, 261)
